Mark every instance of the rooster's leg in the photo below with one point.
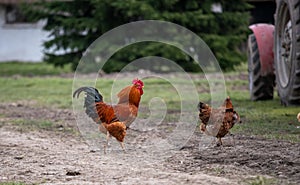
(220, 141)
(106, 144)
(122, 145)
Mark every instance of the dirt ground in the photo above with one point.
(59, 155)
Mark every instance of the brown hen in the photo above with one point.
(220, 120)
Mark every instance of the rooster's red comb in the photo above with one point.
(137, 81)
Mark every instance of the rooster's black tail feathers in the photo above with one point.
(92, 96)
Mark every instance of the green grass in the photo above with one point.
(268, 119)
(31, 69)
(48, 92)
(260, 180)
(37, 124)
(263, 118)
(34, 124)
(29, 125)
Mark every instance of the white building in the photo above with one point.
(19, 40)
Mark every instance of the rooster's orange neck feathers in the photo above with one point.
(130, 95)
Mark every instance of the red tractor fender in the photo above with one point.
(265, 41)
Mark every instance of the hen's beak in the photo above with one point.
(142, 87)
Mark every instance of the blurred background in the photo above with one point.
(58, 32)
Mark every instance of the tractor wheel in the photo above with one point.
(261, 87)
(287, 51)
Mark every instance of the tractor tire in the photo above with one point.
(260, 87)
(287, 51)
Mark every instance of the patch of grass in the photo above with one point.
(260, 180)
(242, 67)
(268, 119)
(34, 124)
(48, 92)
(31, 69)
(218, 170)
(12, 183)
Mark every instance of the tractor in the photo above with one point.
(274, 50)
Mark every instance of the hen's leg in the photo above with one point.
(106, 144)
(233, 140)
(123, 147)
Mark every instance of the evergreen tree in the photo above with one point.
(74, 25)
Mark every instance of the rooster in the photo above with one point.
(113, 120)
(221, 120)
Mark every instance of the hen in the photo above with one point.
(220, 120)
(113, 120)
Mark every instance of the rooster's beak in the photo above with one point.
(142, 87)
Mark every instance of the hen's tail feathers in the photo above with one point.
(92, 96)
(201, 106)
(204, 112)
